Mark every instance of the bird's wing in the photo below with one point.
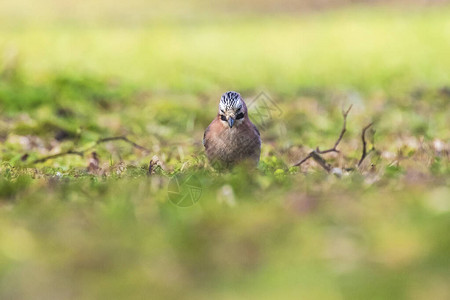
(256, 129)
(204, 136)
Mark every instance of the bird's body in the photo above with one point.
(232, 138)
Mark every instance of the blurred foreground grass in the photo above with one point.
(303, 237)
(380, 232)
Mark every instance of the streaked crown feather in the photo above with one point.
(230, 101)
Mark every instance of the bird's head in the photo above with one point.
(232, 109)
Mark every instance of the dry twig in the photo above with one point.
(341, 135)
(321, 161)
(316, 153)
(117, 138)
(82, 152)
(69, 152)
(363, 138)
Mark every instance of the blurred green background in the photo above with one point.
(72, 73)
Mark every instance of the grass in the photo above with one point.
(277, 232)
(385, 51)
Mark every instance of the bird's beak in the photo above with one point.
(230, 122)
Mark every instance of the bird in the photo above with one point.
(231, 138)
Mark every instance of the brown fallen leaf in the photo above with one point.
(94, 163)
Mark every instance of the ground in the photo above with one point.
(117, 230)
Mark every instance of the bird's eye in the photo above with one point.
(240, 116)
(223, 118)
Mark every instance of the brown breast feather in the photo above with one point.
(228, 146)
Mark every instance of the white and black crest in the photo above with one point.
(230, 101)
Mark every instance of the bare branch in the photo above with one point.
(363, 138)
(303, 160)
(317, 158)
(82, 152)
(316, 153)
(344, 129)
(322, 162)
(116, 138)
(69, 152)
